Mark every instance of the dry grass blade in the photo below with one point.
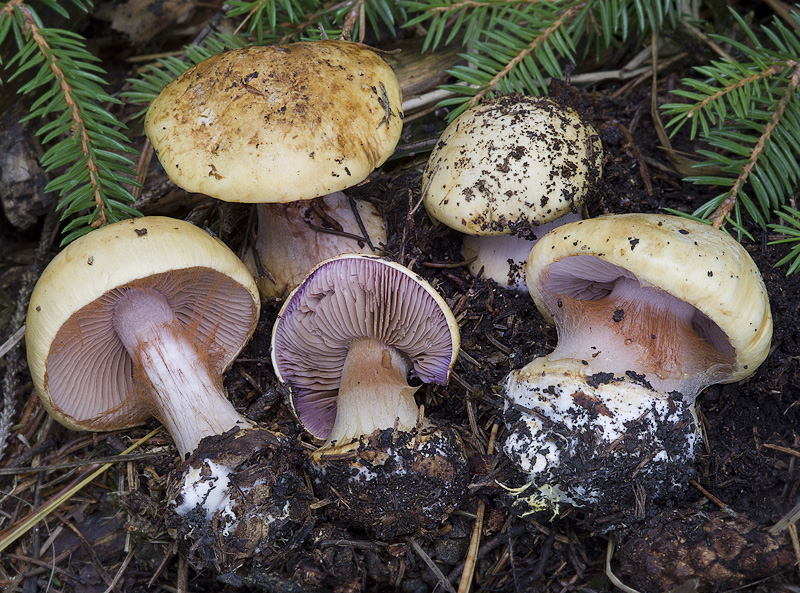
(472, 554)
(610, 574)
(13, 533)
(12, 341)
(683, 165)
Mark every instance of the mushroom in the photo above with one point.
(280, 124)
(137, 319)
(649, 310)
(353, 343)
(141, 318)
(507, 171)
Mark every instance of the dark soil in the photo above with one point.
(747, 472)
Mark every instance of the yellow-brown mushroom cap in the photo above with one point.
(278, 123)
(691, 261)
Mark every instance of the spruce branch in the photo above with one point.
(748, 112)
(724, 209)
(733, 87)
(535, 44)
(790, 231)
(283, 21)
(85, 141)
(515, 45)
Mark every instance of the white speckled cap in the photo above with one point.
(78, 364)
(513, 162)
(691, 261)
(278, 123)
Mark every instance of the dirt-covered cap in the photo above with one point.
(686, 259)
(509, 164)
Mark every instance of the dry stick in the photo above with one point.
(169, 554)
(432, 565)
(359, 222)
(724, 209)
(141, 168)
(121, 570)
(791, 517)
(99, 565)
(722, 506)
(782, 449)
(783, 10)
(795, 543)
(182, 583)
(11, 535)
(644, 172)
(472, 554)
(41, 469)
(705, 39)
(12, 341)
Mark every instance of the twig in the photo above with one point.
(644, 172)
(704, 38)
(472, 554)
(712, 498)
(359, 222)
(15, 470)
(122, 569)
(12, 341)
(783, 10)
(99, 565)
(182, 584)
(782, 449)
(795, 542)
(11, 535)
(431, 564)
(789, 518)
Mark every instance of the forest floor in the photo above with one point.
(111, 534)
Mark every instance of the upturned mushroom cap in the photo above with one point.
(78, 364)
(510, 164)
(351, 298)
(690, 261)
(278, 123)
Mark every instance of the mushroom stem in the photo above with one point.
(185, 395)
(290, 243)
(374, 393)
(642, 328)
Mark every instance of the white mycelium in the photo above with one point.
(569, 413)
(211, 492)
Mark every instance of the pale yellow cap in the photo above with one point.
(691, 261)
(78, 364)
